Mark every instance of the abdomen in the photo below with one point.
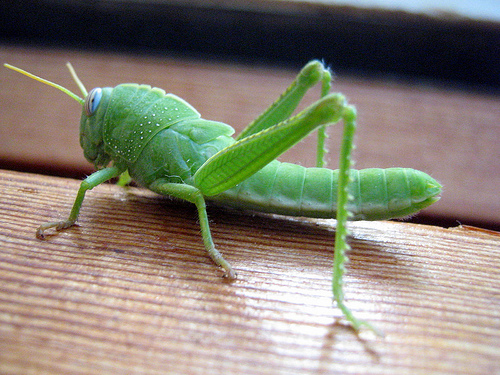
(293, 190)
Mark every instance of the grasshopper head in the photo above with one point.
(92, 126)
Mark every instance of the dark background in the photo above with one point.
(447, 49)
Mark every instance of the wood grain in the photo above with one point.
(131, 290)
(453, 135)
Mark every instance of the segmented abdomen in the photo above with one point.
(291, 189)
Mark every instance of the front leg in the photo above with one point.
(89, 183)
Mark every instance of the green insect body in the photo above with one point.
(294, 190)
(162, 142)
(166, 122)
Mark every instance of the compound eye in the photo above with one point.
(92, 101)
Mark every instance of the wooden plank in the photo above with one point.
(452, 135)
(131, 290)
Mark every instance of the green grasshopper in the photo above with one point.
(138, 132)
